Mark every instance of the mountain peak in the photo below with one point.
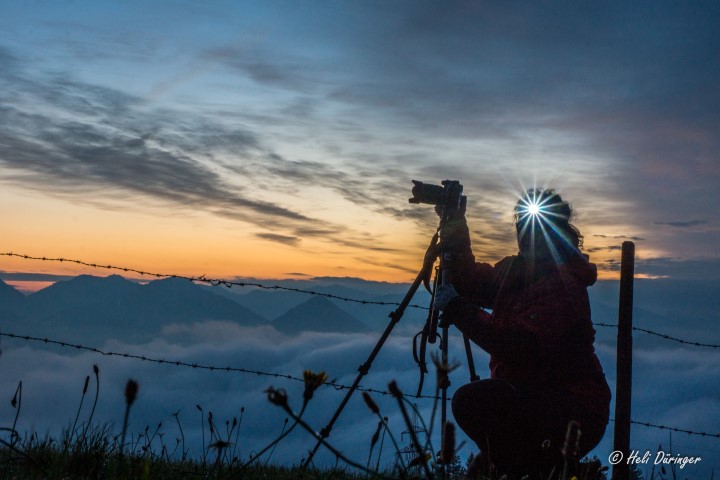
(318, 314)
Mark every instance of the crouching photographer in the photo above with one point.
(545, 375)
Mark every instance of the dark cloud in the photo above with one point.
(679, 269)
(611, 248)
(273, 237)
(629, 84)
(264, 69)
(93, 144)
(393, 266)
(683, 224)
(622, 237)
(33, 277)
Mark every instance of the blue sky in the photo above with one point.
(276, 139)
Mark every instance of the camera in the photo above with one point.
(447, 196)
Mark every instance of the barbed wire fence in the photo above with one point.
(244, 284)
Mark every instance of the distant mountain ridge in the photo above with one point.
(99, 308)
(94, 309)
(319, 315)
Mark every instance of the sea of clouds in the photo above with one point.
(674, 385)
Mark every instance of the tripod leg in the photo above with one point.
(471, 363)
(365, 367)
(443, 410)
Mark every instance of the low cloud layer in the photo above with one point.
(51, 396)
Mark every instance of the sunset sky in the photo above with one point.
(279, 139)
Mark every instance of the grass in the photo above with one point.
(99, 455)
(92, 451)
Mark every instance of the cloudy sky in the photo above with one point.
(275, 138)
(278, 139)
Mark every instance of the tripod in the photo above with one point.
(429, 333)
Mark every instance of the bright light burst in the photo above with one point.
(537, 220)
(532, 205)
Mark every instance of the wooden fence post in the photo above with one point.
(623, 388)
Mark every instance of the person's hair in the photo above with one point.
(555, 216)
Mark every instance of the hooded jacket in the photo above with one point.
(539, 330)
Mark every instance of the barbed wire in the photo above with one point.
(674, 429)
(661, 335)
(229, 284)
(668, 337)
(194, 365)
(215, 282)
(332, 384)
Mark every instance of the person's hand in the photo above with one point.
(444, 295)
(455, 236)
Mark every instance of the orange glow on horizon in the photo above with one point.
(195, 244)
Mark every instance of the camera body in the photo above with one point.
(447, 197)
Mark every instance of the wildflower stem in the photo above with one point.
(382, 442)
(77, 415)
(96, 370)
(274, 442)
(392, 439)
(237, 432)
(17, 403)
(182, 434)
(273, 448)
(397, 393)
(336, 452)
(428, 431)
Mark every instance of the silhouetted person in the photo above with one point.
(544, 371)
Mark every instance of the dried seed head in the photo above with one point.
(312, 382)
(96, 370)
(443, 370)
(277, 396)
(18, 390)
(394, 389)
(220, 445)
(371, 403)
(131, 390)
(87, 382)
